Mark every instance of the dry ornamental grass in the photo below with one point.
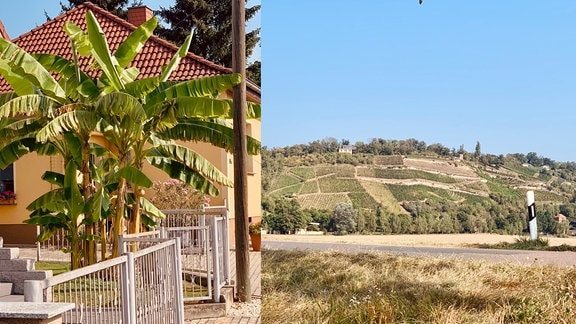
(337, 287)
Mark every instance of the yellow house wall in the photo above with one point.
(27, 185)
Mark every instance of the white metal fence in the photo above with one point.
(205, 248)
(138, 287)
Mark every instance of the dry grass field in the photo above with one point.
(434, 240)
(341, 287)
(337, 287)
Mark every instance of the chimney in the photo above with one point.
(139, 15)
(3, 33)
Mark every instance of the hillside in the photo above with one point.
(393, 181)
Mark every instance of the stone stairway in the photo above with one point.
(14, 271)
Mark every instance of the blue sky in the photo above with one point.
(452, 72)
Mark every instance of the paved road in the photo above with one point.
(513, 256)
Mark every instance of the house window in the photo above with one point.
(7, 179)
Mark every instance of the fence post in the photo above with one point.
(37, 243)
(33, 291)
(179, 289)
(128, 290)
(226, 247)
(201, 221)
(215, 259)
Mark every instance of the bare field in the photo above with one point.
(441, 166)
(433, 240)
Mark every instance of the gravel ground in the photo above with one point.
(252, 309)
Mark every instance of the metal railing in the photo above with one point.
(138, 287)
(205, 246)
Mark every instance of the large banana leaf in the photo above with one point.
(11, 153)
(190, 159)
(180, 54)
(30, 105)
(122, 105)
(79, 38)
(23, 64)
(253, 110)
(141, 88)
(13, 130)
(128, 50)
(98, 204)
(20, 84)
(149, 209)
(51, 201)
(5, 97)
(76, 120)
(71, 77)
(191, 107)
(101, 52)
(179, 171)
(134, 176)
(201, 87)
(72, 192)
(54, 178)
(68, 146)
(209, 131)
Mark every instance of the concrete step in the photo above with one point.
(9, 253)
(5, 289)
(12, 298)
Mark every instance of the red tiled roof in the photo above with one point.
(3, 33)
(51, 38)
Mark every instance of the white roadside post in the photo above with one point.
(532, 224)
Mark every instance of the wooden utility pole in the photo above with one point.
(240, 152)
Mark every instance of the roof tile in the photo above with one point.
(51, 38)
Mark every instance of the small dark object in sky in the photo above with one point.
(421, 1)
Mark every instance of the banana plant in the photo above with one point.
(139, 118)
(139, 114)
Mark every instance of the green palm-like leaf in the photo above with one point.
(30, 105)
(190, 159)
(141, 88)
(50, 201)
(128, 50)
(134, 176)
(191, 107)
(76, 120)
(13, 130)
(21, 85)
(71, 77)
(11, 153)
(98, 205)
(122, 105)
(253, 110)
(72, 192)
(149, 209)
(79, 38)
(54, 178)
(101, 52)
(5, 97)
(26, 66)
(215, 132)
(180, 54)
(201, 87)
(179, 171)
